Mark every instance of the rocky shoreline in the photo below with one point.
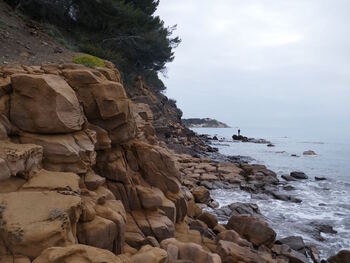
(261, 183)
(84, 178)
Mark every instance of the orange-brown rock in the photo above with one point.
(19, 159)
(34, 221)
(191, 252)
(233, 253)
(14, 259)
(80, 254)
(113, 210)
(157, 165)
(67, 152)
(44, 104)
(99, 232)
(44, 180)
(201, 194)
(233, 236)
(209, 219)
(149, 254)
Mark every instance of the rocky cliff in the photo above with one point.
(82, 173)
(204, 123)
(84, 178)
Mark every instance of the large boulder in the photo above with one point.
(233, 236)
(34, 221)
(73, 152)
(80, 254)
(233, 253)
(44, 104)
(253, 229)
(294, 242)
(191, 251)
(298, 175)
(209, 219)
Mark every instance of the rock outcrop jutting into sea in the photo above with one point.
(83, 178)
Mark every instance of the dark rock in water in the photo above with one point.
(215, 138)
(285, 197)
(270, 145)
(288, 187)
(214, 204)
(294, 242)
(288, 178)
(292, 255)
(296, 257)
(309, 152)
(298, 175)
(225, 212)
(260, 196)
(321, 228)
(326, 229)
(294, 155)
(206, 184)
(246, 139)
(343, 256)
(320, 178)
(261, 141)
(239, 138)
(248, 187)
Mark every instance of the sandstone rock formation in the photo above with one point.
(83, 177)
(72, 143)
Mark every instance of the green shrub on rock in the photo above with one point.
(88, 60)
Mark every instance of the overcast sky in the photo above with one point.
(267, 63)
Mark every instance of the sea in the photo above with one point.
(324, 203)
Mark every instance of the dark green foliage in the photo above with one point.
(124, 31)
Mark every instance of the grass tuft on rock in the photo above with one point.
(89, 61)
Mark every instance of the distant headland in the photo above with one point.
(204, 123)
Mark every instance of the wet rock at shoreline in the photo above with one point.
(288, 187)
(309, 152)
(319, 178)
(292, 255)
(294, 242)
(238, 208)
(299, 175)
(319, 228)
(288, 178)
(254, 229)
